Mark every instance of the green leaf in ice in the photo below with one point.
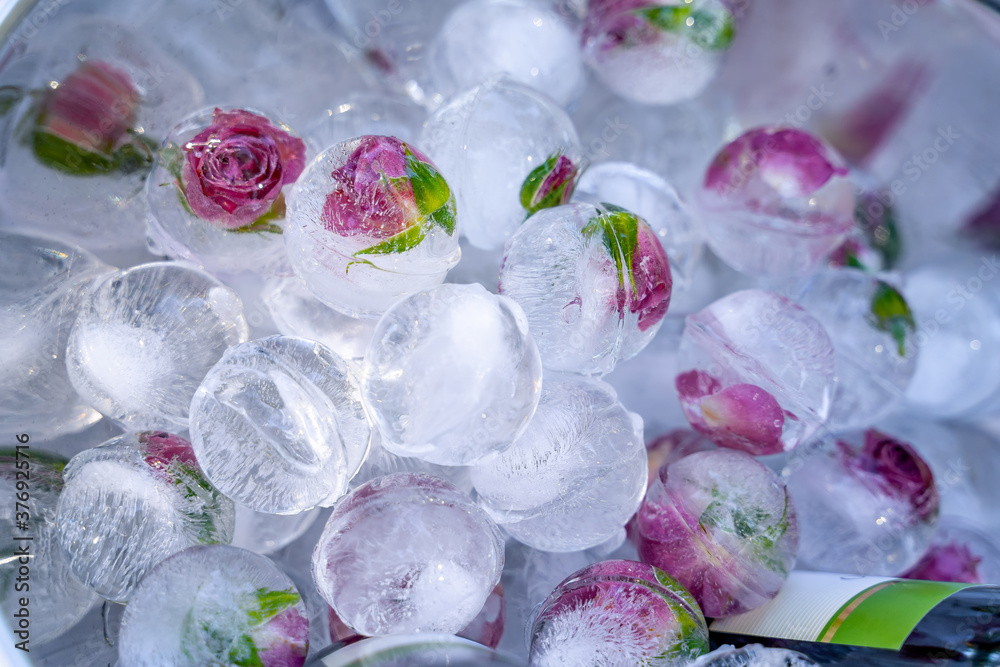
(270, 603)
(619, 230)
(430, 191)
(712, 30)
(891, 313)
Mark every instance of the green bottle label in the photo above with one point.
(877, 612)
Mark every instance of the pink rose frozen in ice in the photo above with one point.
(234, 170)
(947, 562)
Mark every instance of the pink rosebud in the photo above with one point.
(550, 184)
(741, 416)
(162, 450)
(652, 278)
(234, 169)
(92, 108)
(791, 162)
(284, 640)
(895, 468)
(947, 562)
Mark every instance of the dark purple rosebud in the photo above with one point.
(550, 184)
(896, 469)
(790, 162)
(234, 170)
(947, 562)
(740, 416)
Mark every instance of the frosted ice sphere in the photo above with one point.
(487, 142)
(217, 194)
(656, 52)
(407, 553)
(452, 375)
(958, 318)
(655, 201)
(130, 503)
(575, 476)
(775, 202)
(41, 288)
(278, 425)
(525, 40)
(618, 612)
(363, 112)
(424, 649)
(594, 282)
(101, 101)
(722, 524)
(756, 372)
(215, 605)
(872, 330)
(265, 533)
(144, 339)
(867, 502)
(370, 221)
(753, 655)
(58, 599)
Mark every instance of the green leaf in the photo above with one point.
(401, 242)
(890, 313)
(443, 218)
(430, 191)
(271, 603)
(535, 180)
(265, 222)
(709, 30)
(244, 653)
(10, 97)
(61, 155)
(172, 158)
(620, 231)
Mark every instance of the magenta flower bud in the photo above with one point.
(947, 562)
(234, 170)
(550, 184)
(162, 449)
(896, 469)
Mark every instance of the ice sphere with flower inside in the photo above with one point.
(41, 289)
(872, 331)
(722, 524)
(656, 52)
(278, 425)
(58, 598)
(525, 40)
(452, 375)
(575, 476)
(618, 612)
(214, 605)
(407, 553)
(867, 502)
(371, 220)
(133, 501)
(423, 649)
(217, 194)
(757, 372)
(753, 655)
(492, 142)
(775, 201)
(594, 282)
(144, 339)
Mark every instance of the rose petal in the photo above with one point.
(947, 562)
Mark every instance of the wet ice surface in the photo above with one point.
(129, 504)
(575, 476)
(41, 288)
(452, 375)
(215, 605)
(145, 338)
(426, 649)
(753, 655)
(487, 141)
(58, 599)
(873, 339)
(384, 567)
(278, 425)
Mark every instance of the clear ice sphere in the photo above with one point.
(41, 288)
(757, 372)
(264, 533)
(102, 209)
(215, 605)
(58, 599)
(407, 553)
(278, 425)
(424, 649)
(618, 612)
(753, 655)
(144, 339)
(131, 502)
(487, 141)
(297, 312)
(867, 504)
(723, 525)
(872, 331)
(371, 220)
(452, 375)
(524, 40)
(594, 282)
(575, 476)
